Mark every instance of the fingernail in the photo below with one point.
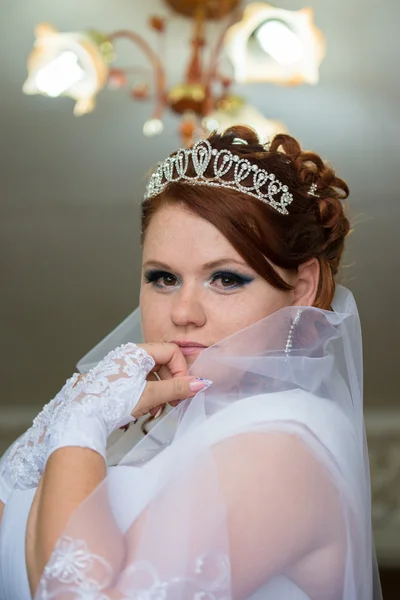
(158, 413)
(200, 383)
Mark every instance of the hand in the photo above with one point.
(23, 465)
(116, 392)
(171, 384)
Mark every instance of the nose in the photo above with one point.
(188, 309)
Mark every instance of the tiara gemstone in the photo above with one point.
(245, 177)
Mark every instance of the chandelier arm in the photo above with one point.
(212, 73)
(160, 78)
(131, 70)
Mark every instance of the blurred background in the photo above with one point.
(71, 186)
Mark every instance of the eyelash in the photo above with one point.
(153, 276)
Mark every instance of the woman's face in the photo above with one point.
(196, 289)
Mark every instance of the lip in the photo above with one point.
(189, 347)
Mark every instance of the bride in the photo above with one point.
(255, 484)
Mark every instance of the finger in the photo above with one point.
(175, 402)
(164, 373)
(153, 376)
(169, 355)
(158, 393)
(156, 412)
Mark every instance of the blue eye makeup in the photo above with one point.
(160, 279)
(230, 280)
(221, 280)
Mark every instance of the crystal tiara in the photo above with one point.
(246, 177)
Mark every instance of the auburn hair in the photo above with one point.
(316, 226)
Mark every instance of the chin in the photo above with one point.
(190, 359)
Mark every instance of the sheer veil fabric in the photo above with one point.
(257, 488)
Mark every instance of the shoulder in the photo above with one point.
(297, 418)
(278, 494)
(294, 408)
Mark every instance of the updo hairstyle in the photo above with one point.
(316, 226)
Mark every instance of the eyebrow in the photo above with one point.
(209, 265)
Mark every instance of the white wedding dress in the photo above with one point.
(169, 481)
(320, 416)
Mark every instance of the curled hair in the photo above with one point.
(316, 226)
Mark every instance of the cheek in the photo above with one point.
(228, 314)
(261, 302)
(152, 317)
(272, 302)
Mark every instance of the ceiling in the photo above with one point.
(71, 187)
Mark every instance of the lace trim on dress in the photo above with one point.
(88, 575)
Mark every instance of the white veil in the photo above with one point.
(257, 488)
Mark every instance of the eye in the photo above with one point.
(160, 279)
(229, 280)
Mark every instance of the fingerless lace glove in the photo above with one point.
(102, 402)
(83, 413)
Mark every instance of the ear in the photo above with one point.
(306, 284)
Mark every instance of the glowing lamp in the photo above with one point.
(68, 64)
(275, 45)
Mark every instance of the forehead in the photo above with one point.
(174, 234)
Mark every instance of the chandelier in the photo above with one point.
(262, 43)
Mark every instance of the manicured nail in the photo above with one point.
(199, 384)
(158, 413)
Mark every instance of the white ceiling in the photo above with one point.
(70, 188)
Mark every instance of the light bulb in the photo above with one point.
(153, 127)
(210, 123)
(60, 74)
(277, 40)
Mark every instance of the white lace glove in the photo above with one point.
(23, 463)
(101, 402)
(77, 416)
